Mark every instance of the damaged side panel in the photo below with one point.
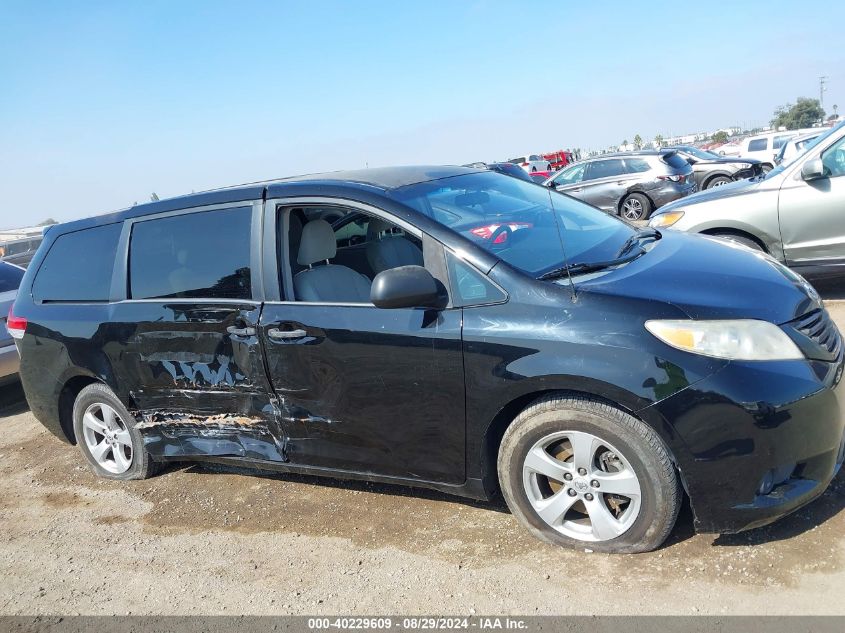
(197, 388)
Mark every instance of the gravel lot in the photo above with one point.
(201, 539)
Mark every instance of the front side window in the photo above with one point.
(570, 176)
(532, 228)
(194, 255)
(833, 159)
(78, 266)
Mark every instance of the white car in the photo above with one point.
(764, 147)
(532, 163)
(795, 146)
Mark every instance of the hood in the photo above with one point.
(709, 278)
(730, 190)
(723, 160)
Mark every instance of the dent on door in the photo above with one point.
(198, 389)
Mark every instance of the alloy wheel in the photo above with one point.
(632, 209)
(107, 438)
(581, 486)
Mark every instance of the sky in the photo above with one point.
(103, 103)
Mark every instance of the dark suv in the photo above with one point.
(455, 329)
(632, 184)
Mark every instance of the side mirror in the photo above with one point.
(407, 287)
(812, 169)
(691, 160)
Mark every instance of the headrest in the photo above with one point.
(376, 227)
(317, 243)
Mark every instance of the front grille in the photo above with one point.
(822, 332)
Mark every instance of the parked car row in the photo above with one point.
(794, 213)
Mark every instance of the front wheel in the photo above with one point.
(636, 207)
(106, 435)
(581, 473)
(718, 181)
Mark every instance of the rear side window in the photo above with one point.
(758, 144)
(10, 277)
(675, 161)
(605, 169)
(195, 255)
(78, 266)
(637, 165)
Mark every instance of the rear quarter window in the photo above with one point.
(78, 266)
(636, 165)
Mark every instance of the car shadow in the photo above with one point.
(818, 512)
(12, 400)
(497, 504)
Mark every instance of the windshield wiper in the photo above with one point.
(581, 268)
(636, 238)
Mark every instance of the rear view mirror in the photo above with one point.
(407, 287)
(813, 169)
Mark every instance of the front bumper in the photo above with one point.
(762, 440)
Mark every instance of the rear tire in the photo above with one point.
(627, 471)
(718, 181)
(635, 206)
(107, 437)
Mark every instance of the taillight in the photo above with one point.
(15, 325)
(525, 164)
(673, 178)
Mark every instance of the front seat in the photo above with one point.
(386, 251)
(326, 282)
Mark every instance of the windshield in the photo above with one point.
(699, 153)
(530, 227)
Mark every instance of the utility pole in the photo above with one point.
(822, 82)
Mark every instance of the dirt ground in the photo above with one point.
(208, 540)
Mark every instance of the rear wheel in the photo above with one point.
(581, 473)
(636, 207)
(718, 181)
(107, 437)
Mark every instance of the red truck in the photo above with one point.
(559, 159)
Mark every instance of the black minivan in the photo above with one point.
(450, 328)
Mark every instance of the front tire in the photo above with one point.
(107, 437)
(578, 472)
(718, 181)
(636, 207)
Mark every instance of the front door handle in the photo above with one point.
(281, 335)
(240, 331)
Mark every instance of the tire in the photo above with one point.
(123, 455)
(635, 206)
(640, 524)
(718, 181)
(740, 239)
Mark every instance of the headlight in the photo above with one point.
(665, 219)
(741, 339)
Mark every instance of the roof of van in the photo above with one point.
(381, 179)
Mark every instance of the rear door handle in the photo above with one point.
(281, 335)
(240, 331)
